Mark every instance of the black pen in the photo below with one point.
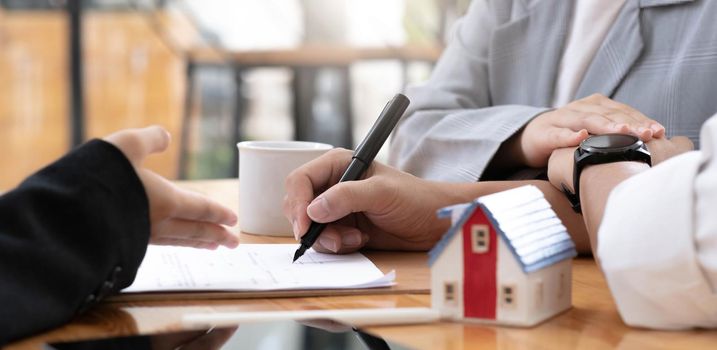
(362, 158)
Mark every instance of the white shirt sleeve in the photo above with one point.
(657, 243)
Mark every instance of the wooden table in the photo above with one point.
(315, 55)
(592, 323)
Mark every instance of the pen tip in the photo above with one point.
(299, 253)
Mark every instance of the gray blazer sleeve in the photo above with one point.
(452, 131)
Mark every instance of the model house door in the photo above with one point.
(480, 246)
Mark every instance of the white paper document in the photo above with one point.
(253, 267)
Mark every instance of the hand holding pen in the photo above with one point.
(387, 209)
(360, 162)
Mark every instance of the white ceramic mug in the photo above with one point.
(263, 167)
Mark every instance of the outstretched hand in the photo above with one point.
(178, 217)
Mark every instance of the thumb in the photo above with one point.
(343, 199)
(137, 144)
(564, 138)
(537, 156)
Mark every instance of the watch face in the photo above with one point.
(609, 142)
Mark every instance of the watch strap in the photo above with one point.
(572, 198)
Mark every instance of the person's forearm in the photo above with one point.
(465, 192)
(70, 235)
(596, 183)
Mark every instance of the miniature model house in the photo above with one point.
(506, 259)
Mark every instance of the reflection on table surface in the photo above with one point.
(308, 335)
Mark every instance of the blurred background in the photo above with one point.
(212, 72)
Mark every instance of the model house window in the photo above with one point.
(480, 238)
(538, 294)
(508, 294)
(563, 285)
(449, 292)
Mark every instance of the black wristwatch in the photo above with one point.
(601, 149)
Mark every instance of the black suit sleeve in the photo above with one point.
(71, 234)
